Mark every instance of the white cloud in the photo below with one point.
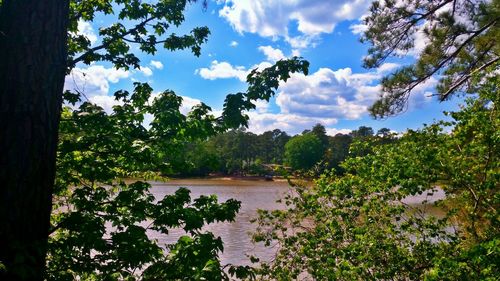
(291, 123)
(222, 70)
(271, 53)
(358, 28)
(422, 93)
(94, 83)
(302, 41)
(93, 80)
(156, 64)
(387, 68)
(327, 94)
(333, 131)
(261, 106)
(85, 28)
(233, 44)
(271, 18)
(146, 70)
(187, 104)
(106, 102)
(225, 70)
(421, 41)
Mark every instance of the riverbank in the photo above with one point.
(234, 178)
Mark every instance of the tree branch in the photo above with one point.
(72, 63)
(466, 77)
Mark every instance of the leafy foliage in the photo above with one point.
(145, 24)
(97, 151)
(101, 219)
(461, 39)
(358, 226)
(235, 152)
(100, 223)
(302, 152)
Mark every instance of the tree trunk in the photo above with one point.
(33, 56)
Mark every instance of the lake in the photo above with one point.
(254, 195)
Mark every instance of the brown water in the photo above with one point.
(253, 195)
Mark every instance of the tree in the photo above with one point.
(100, 222)
(33, 58)
(339, 146)
(272, 146)
(358, 226)
(303, 151)
(362, 132)
(320, 131)
(461, 40)
(36, 54)
(384, 132)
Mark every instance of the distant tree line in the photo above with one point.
(239, 152)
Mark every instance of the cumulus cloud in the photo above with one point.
(271, 53)
(327, 93)
(387, 67)
(146, 71)
(106, 102)
(358, 28)
(187, 104)
(223, 69)
(94, 83)
(333, 131)
(93, 80)
(327, 96)
(156, 64)
(233, 44)
(291, 123)
(85, 29)
(271, 18)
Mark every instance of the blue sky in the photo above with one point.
(247, 34)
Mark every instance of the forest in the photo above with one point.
(241, 153)
(76, 201)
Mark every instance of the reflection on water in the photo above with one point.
(429, 197)
(252, 194)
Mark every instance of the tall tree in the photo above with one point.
(303, 151)
(384, 132)
(320, 131)
(460, 38)
(33, 59)
(339, 146)
(362, 132)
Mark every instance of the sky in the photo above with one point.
(246, 34)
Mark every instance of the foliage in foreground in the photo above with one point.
(357, 226)
(101, 223)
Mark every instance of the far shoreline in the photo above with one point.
(231, 178)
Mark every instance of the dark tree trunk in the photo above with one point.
(33, 56)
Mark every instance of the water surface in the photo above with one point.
(253, 195)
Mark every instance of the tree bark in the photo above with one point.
(33, 56)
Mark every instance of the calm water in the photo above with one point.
(253, 195)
